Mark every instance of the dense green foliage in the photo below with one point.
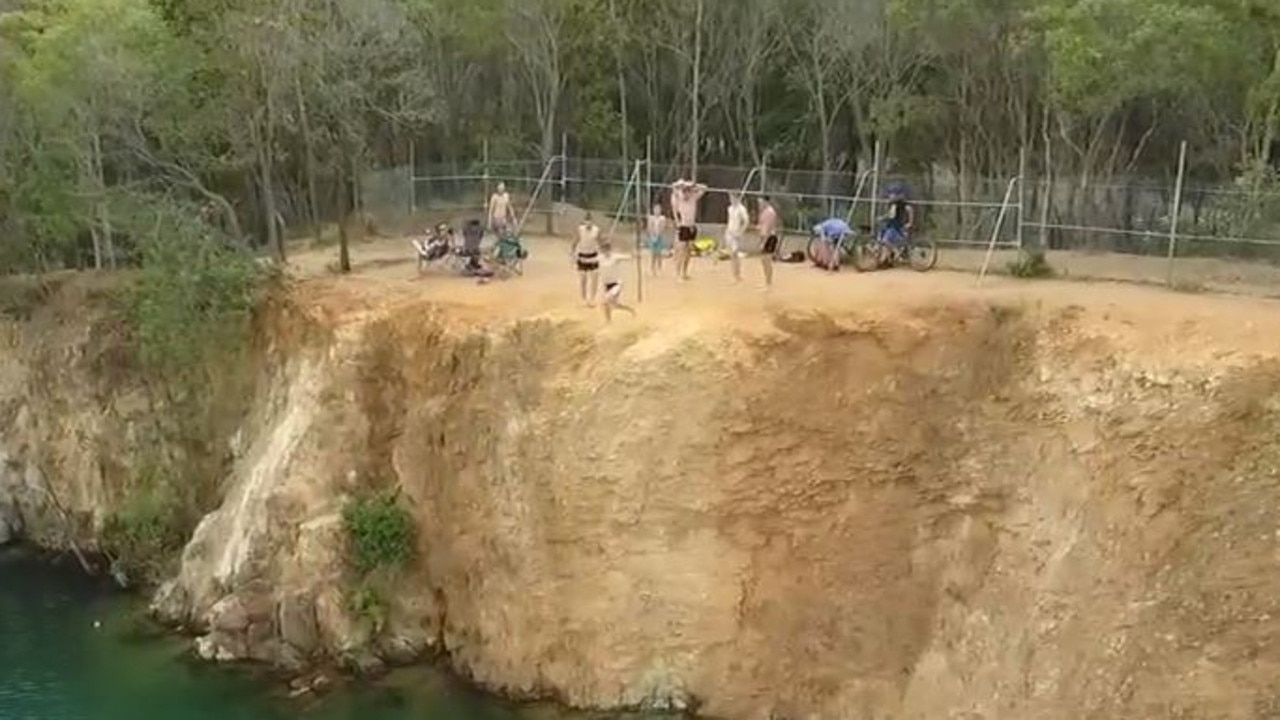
(265, 113)
(380, 532)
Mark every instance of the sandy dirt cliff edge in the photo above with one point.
(946, 510)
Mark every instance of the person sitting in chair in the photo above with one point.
(435, 246)
(472, 237)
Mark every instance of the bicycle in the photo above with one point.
(846, 247)
(878, 254)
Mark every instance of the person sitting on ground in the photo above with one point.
(897, 223)
(832, 232)
(612, 279)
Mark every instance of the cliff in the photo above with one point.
(947, 507)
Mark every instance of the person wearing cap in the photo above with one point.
(897, 223)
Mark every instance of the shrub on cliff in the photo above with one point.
(144, 535)
(380, 532)
(193, 298)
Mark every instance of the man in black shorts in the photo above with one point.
(768, 227)
(685, 195)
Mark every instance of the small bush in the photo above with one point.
(145, 536)
(1031, 264)
(369, 605)
(380, 532)
(1186, 285)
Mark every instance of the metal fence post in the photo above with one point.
(639, 247)
(648, 170)
(564, 167)
(484, 170)
(413, 180)
(1177, 209)
(875, 184)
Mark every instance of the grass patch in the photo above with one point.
(381, 536)
(147, 533)
(1186, 285)
(1031, 264)
(380, 532)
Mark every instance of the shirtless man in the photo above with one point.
(586, 258)
(655, 228)
(499, 210)
(767, 226)
(685, 195)
(735, 228)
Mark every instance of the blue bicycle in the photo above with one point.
(879, 252)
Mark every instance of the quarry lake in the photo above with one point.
(70, 649)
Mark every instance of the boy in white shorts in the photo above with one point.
(611, 276)
(735, 228)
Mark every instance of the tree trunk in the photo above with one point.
(344, 201)
(309, 161)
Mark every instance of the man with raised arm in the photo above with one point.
(499, 211)
(685, 195)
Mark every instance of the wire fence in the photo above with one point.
(1222, 238)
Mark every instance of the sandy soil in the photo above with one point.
(384, 273)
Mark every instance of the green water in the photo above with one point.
(56, 665)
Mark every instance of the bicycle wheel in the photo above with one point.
(811, 250)
(922, 255)
(866, 255)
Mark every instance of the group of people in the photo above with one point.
(685, 196)
(597, 263)
(591, 257)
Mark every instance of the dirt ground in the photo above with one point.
(384, 273)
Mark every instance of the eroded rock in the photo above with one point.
(10, 524)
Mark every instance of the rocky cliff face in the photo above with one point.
(963, 511)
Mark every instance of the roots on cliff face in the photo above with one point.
(961, 509)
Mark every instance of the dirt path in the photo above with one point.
(1141, 317)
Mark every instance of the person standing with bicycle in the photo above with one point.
(895, 228)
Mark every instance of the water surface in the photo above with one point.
(56, 665)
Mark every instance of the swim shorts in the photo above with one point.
(770, 245)
(588, 262)
(612, 290)
(687, 233)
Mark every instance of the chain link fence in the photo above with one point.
(1226, 237)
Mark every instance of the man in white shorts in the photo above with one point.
(735, 228)
(612, 277)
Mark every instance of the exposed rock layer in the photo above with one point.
(946, 512)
